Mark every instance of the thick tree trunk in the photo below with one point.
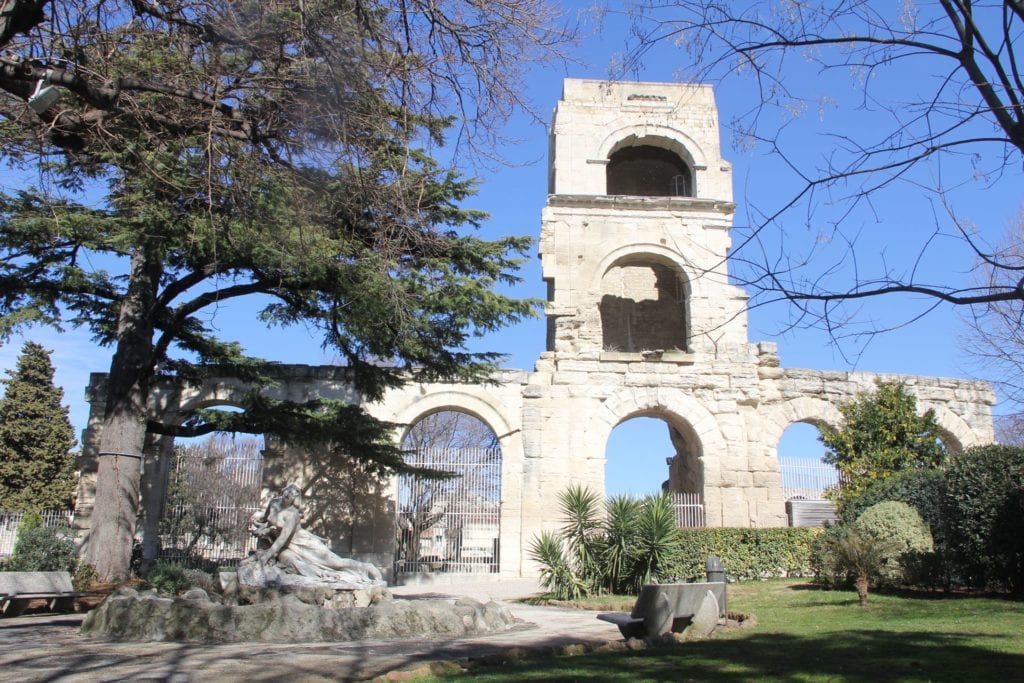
(124, 425)
(862, 589)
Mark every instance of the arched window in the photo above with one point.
(648, 171)
(643, 307)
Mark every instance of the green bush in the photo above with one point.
(823, 560)
(922, 489)
(900, 528)
(638, 542)
(985, 516)
(42, 549)
(83, 577)
(746, 553)
(173, 579)
(168, 579)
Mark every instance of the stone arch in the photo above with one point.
(454, 525)
(780, 416)
(649, 171)
(670, 405)
(625, 132)
(479, 407)
(644, 303)
(956, 434)
(649, 251)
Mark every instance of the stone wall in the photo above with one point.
(642, 322)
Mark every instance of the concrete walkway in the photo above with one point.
(48, 647)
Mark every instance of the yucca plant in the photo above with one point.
(556, 575)
(582, 533)
(622, 517)
(656, 542)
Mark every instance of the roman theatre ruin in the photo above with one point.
(641, 321)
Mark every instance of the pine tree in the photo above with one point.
(274, 152)
(36, 437)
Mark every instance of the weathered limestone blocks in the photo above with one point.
(145, 616)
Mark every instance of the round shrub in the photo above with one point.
(42, 549)
(901, 528)
(921, 489)
(168, 579)
(985, 516)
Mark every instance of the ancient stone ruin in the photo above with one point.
(642, 321)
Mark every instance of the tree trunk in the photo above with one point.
(123, 434)
(862, 589)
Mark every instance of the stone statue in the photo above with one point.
(290, 556)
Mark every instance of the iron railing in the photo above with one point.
(806, 479)
(450, 525)
(9, 522)
(689, 509)
(210, 501)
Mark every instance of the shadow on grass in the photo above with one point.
(915, 593)
(850, 656)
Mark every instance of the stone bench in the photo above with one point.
(665, 608)
(18, 589)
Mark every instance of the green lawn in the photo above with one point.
(807, 634)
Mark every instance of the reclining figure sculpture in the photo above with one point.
(289, 555)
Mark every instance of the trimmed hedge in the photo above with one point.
(746, 553)
(985, 516)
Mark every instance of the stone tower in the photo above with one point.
(636, 229)
(642, 321)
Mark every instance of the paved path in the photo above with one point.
(49, 648)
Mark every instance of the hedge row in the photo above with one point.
(745, 553)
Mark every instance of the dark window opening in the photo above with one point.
(648, 171)
(643, 309)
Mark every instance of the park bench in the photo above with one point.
(665, 608)
(18, 589)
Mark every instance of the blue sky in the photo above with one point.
(891, 232)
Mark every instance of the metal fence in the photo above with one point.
(9, 522)
(689, 510)
(210, 500)
(450, 525)
(806, 479)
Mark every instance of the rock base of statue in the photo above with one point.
(255, 582)
(198, 617)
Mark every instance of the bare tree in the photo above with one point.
(452, 429)
(938, 96)
(1010, 429)
(466, 446)
(996, 333)
(213, 490)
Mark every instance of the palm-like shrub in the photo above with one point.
(582, 533)
(657, 541)
(620, 529)
(627, 544)
(556, 575)
(863, 555)
(571, 561)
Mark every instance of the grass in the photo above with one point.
(808, 634)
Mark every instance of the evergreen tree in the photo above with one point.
(277, 151)
(36, 437)
(881, 434)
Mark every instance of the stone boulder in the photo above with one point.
(146, 616)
